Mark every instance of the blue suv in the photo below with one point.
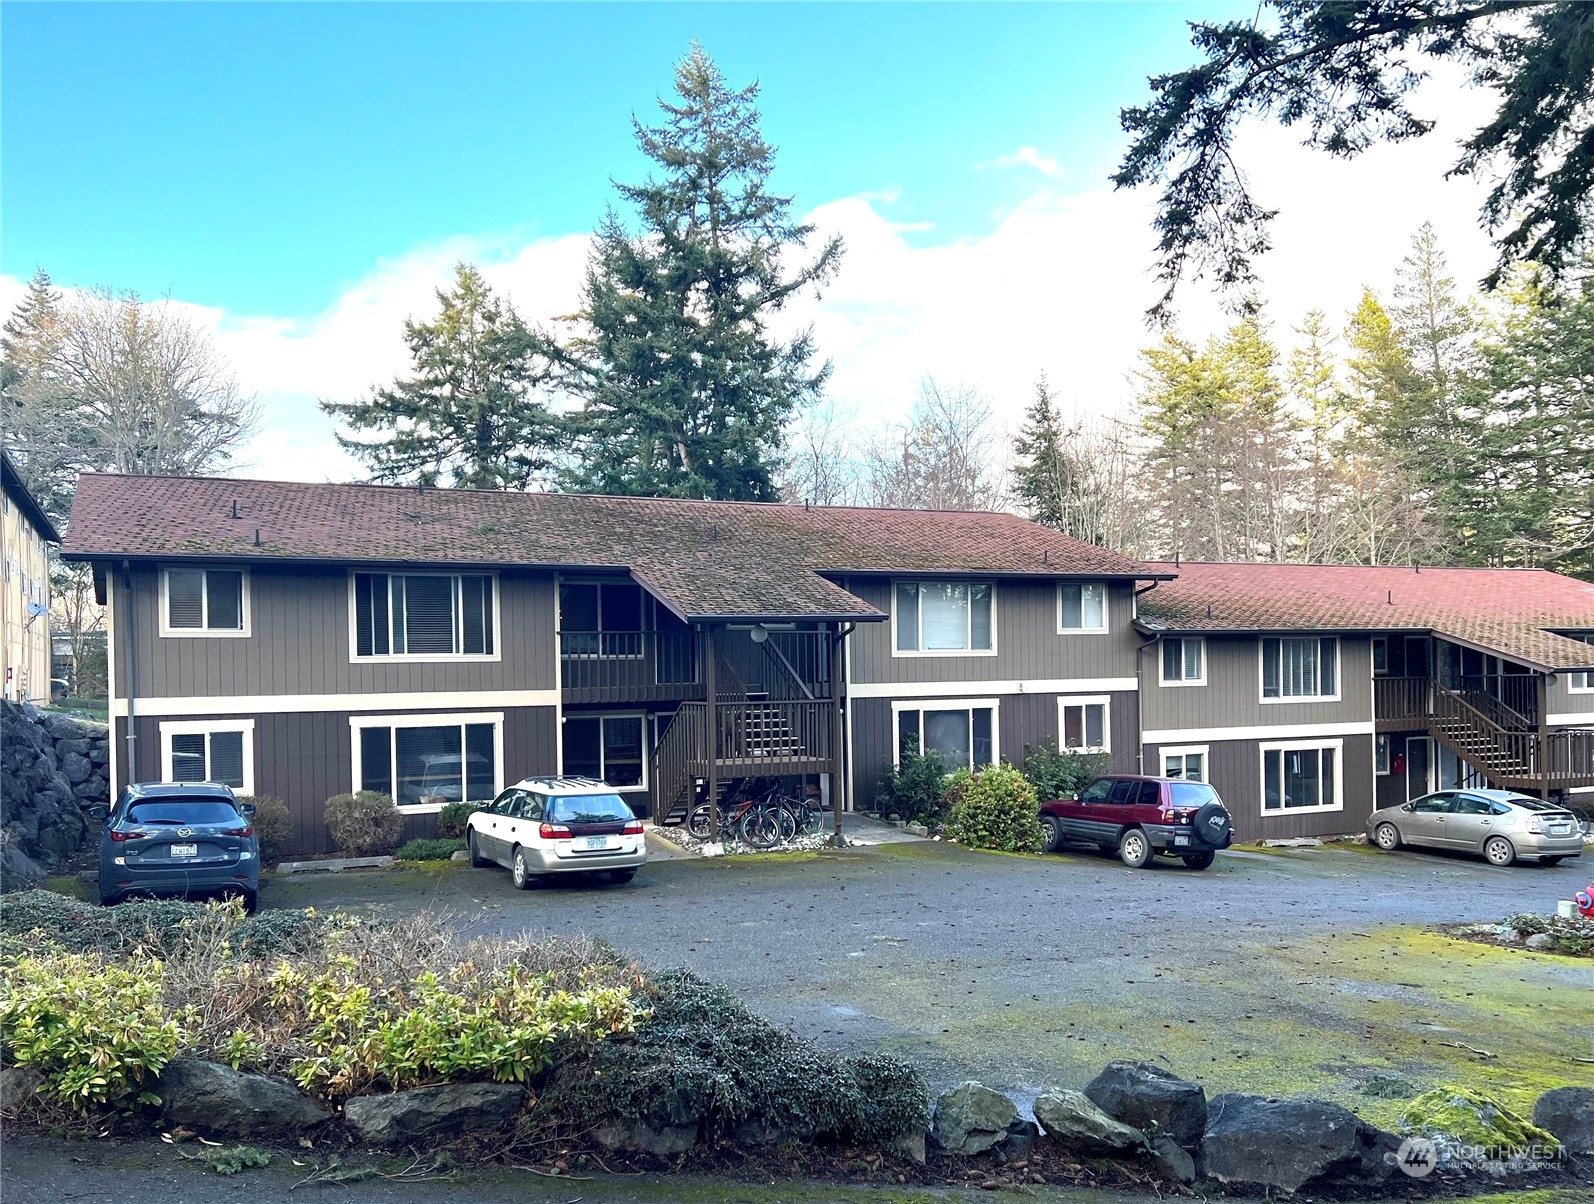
(179, 839)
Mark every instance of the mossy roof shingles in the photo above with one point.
(704, 559)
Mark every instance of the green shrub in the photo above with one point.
(273, 826)
(995, 809)
(1062, 773)
(700, 1053)
(155, 927)
(451, 819)
(916, 788)
(97, 1032)
(428, 850)
(365, 824)
(1573, 937)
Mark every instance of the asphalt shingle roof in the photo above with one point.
(1516, 612)
(705, 559)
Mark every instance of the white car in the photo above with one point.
(543, 826)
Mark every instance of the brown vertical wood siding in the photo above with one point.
(1232, 695)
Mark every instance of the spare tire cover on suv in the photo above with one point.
(1211, 824)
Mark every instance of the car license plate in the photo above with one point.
(1180, 838)
(1560, 830)
(185, 850)
(597, 842)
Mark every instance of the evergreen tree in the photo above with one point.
(684, 390)
(1072, 477)
(468, 415)
(1043, 475)
(32, 419)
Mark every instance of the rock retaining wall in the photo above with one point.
(52, 767)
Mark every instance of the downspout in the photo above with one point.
(1140, 686)
(838, 776)
(131, 685)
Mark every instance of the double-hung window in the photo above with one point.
(942, 617)
(204, 602)
(428, 760)
(1082, 606)
(1083, 724)
(1300, 667)
(1581, 683)
(1187, 763)
(1300, 777)
(423, 614)
(600, 619)
(607, 747)
(964, 736)
(1184, 660)
(210, 750)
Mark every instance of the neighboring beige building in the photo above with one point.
(25, 590)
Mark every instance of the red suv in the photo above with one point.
(1138, 818)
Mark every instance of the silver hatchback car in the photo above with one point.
(545, 826)
(1500, 824)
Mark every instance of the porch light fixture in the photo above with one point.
(760, 633)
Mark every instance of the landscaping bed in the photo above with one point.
(1568, 936)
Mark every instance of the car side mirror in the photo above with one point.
(99, 814)
(246, 808)
(1409, 807)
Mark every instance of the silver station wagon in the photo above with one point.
(540, 827)
(1500, 824)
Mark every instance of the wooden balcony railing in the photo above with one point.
(1401, 703)
(628, 666)
(747, 740)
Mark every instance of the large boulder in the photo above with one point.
(639, 1137)
(1072, 1119)
(1472, 1129)
(1568, 1112)
(1288, 1144)
(971, 1118)
(1149, 1098)
(425, 1112)
(205, 1095)
(17, 1086)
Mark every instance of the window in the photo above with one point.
(423, 614)
(1083, 724)
(1581, 683)
(1381, 755)
(210, 750)
(1300, 667)
(964, 736)
(204, 602)
(1380, 658)
(606, 747)
(1187, 763)
(944, 617)
(424, 761)
(600, 619)
(1082, 606)
(1300, 777)
(1184, 660)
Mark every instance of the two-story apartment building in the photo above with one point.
(1310, 693)
(24, 589)
(305, 640)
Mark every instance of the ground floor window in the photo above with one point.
(1381, 758)
(1187, 763)
(429, 760)
(210, 750)
(964, 736)
(1300, 777)
(607, 747)
(1083, 724)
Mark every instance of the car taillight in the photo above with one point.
(120, 835)
(1178, 815)
(634, 828)
(247, 830)
(553, 832)
(1536, 826)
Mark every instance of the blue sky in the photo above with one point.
(261, 157)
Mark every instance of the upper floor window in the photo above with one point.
(1184, 660)
(944, 617)
(1082, 606)
(204, 602)
(423, 614)
(1300, 667)
(1581, 683)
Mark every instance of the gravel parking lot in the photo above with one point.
(1280, 971)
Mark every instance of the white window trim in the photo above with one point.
(910, 652)
(434, 658)
(1386, 742)
(1106, 610)
(1588, 677)
(1295, 746)
(1068, 700)
(204, 633)
(946, 704)
(196, 727)
(1193, 681)
(1204, 751)
(358, 723)
(603, 752)
(1261, 673)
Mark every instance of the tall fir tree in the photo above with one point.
(469, 415)
(1043, 476)
(34, 425)
(684, 390)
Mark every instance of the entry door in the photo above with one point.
(1419, 766)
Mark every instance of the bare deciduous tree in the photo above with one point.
(820, 466)
(943, 458)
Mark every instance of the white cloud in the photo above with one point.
(1028, 156)
(1059, 285)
